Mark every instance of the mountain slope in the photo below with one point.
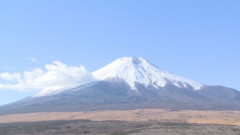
(130, 83)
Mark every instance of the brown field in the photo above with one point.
(157, 115)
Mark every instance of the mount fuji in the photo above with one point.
(130, 83)
(137, 69)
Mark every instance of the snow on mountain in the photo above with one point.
(131, 70)
(137, 69)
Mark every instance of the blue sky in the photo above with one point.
(198, 40)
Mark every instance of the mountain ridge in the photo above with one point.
(136, 69)
(132, 83)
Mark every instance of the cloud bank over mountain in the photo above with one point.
(54, 77)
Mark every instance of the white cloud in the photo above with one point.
(33, 60)
(10, 77)
(55, 77)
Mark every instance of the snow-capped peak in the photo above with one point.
(137, 69)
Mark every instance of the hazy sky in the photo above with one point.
(199, 40)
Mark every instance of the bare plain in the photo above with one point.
(123, 122)
(158, 115)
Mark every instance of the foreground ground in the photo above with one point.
(86, 127)
(143, 115)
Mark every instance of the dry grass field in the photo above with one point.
(87, 127)
(142, 115)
